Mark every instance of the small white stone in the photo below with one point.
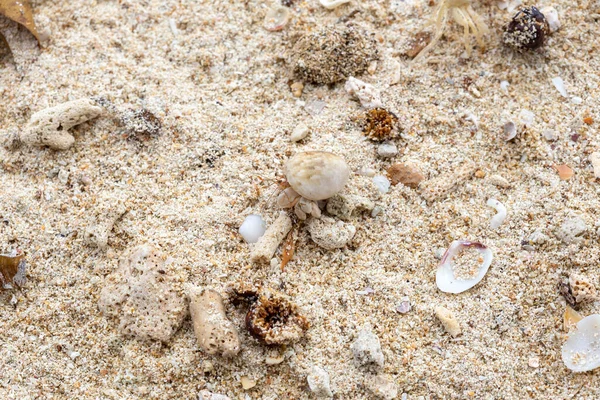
(253, 228)
(299, 132)
(504, 86)
(549, 135)
(499, 218)
(534, 362)
(595, 160)
(206, 395)
(383, 387)
(559, 84)
(331, 4)
(576, 100)
(382, 183)
(318, 382)
(367, 349)
(552, 17)
(526, 117)
(387, 150)
(572, 230)
(366, 93)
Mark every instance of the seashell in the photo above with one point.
(581, 351)
(510, 131)
(331, 4)
(499, 218)
(276, 18)
(570, 318)
(445, 278)
(316, 175)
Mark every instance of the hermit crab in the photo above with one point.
(312, 176)
(463, 14)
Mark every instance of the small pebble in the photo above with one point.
(318, 382)
(571, 230)
(376, 211)
(299, 132)
(552, 17)
(564, 172)
(549, 135)
(406, 173)
(331, 4)
(253, 228)
(247, 383)
(366, 93)
(595, 160)
(534, 362)
(382, 183)
(404, 307)
(276, 18)
(448, 321)
(559, 84)
(297, 88)
(383, 387)
(387, 150)
(498, 180)
(206, 395)
(367, 349)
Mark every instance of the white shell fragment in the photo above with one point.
(253, 228)
(366, 93)
(559, 84)
(499, 218)
(552, 17)
(277, 18)
(445, 279)
(581, 351)
(317, 175)
(331, 4)
(382, 183)
(510, 131)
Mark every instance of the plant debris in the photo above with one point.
(12, 269)
(272, 318)
(380, 124)
(21, 12)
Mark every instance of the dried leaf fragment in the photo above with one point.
(21, 12)
(12, 269)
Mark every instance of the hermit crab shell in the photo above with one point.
(316, 175)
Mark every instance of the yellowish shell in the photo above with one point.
(317, 175)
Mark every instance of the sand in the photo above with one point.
(220, 84)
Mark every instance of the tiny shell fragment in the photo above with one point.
(564, 171)
(277, 18)
(595, 160)
(570, 318)
(331, 4)
(12, 269)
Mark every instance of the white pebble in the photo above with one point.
(253, 228)
(299, 132)
(595, 160)
(387, 150)
(552, 17)
(576, 100)
(499, 218)
(318, 382)
(366, 93)
(559, 84)
(331, 4)
(383, 184)
(526, 117)
(504, 86)
(367, 349)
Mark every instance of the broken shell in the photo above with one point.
(499, 218)
(277, 18)
(12, 269)
(331, 4)
(581, 351)
(317, 175)
(570, 318)
(510, 131)
(445, 279)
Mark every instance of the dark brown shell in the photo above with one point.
(12, 270)
(527, 30)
